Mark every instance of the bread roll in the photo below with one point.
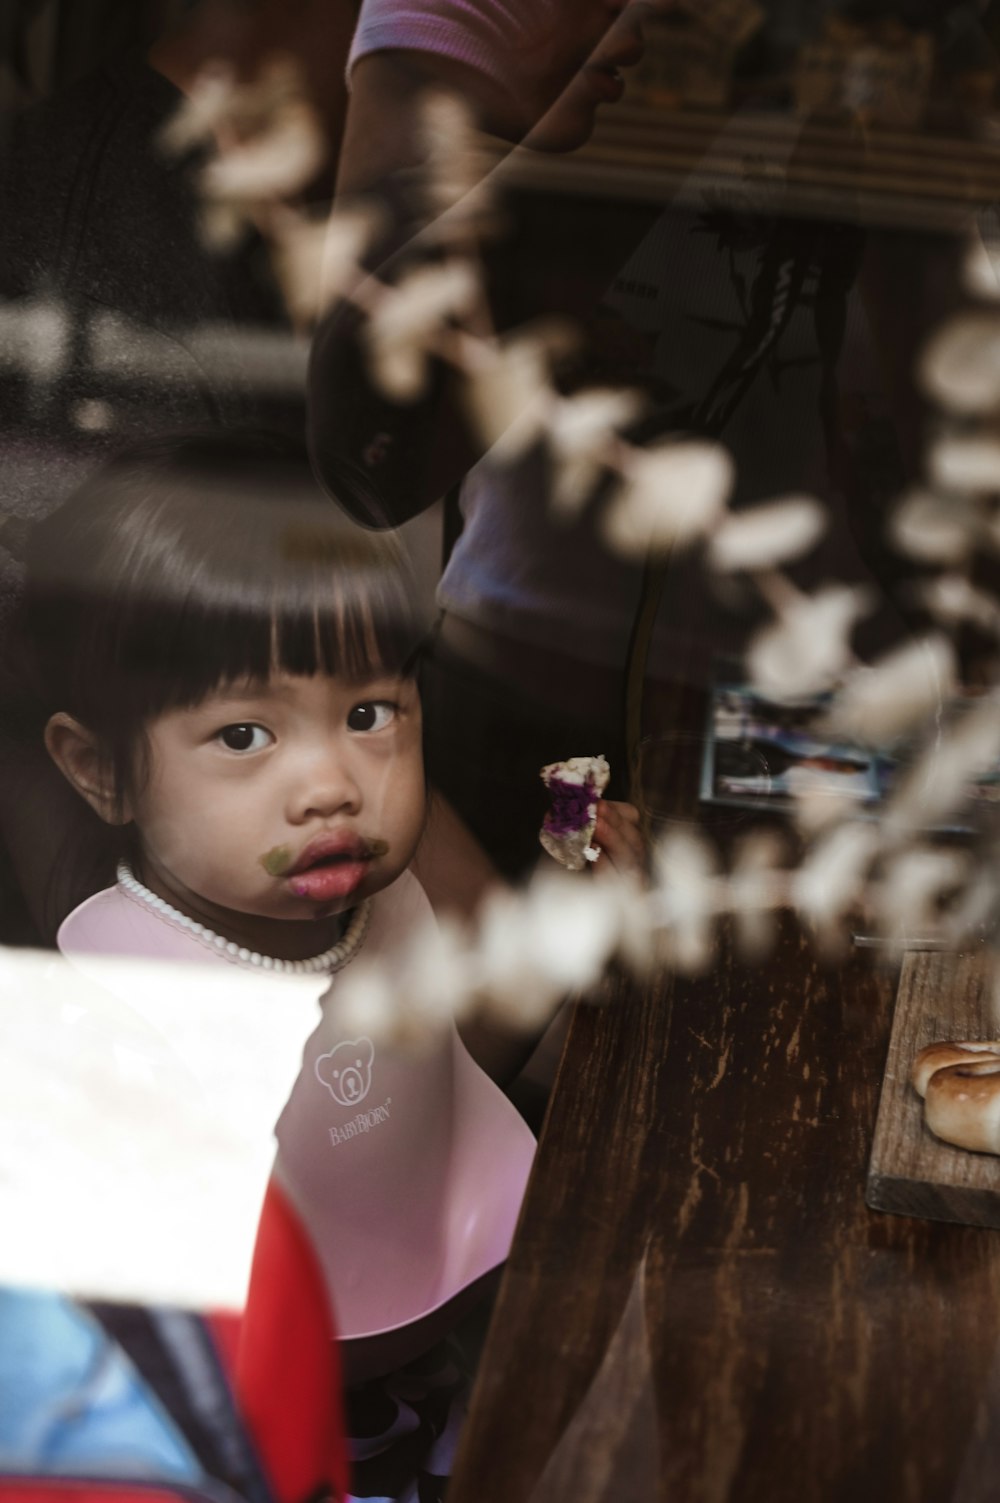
(962, 1105)
(949, 1052)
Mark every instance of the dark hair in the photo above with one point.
(191, 563)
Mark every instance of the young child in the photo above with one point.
(227, 668)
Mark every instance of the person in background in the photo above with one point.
(536, 74)
(734, 325)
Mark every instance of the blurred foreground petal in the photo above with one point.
(981, 270)
(934, 529)
(757, 885)
(671, 495)
(830, 880)
(685, 900)
(508, 389)
(582, 433)
(406, 321)
(937, 783)
(960, 366)
(965, 464)
(767, 535)
(808, 647)
(899, 693)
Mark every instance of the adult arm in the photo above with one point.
(384, 460)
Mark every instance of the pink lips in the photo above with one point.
(330, 867)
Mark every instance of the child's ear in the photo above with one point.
(77, 753)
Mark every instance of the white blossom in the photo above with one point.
(671, 494)
(582, 434)
(570, 929)
(936, 784)
(273, 164)
(406, 321)
(685, 900)
(205, 107)
(908, 897)
(367, 1000)
(964, 463)
(318, 260)
(222, 226)
(878, 704)
(934, 529)
(960, 365)
(456, 168)
(36, 337)
(807, 648)
(266, 138)
(981, 270)
(434, 975)
(507, 388)
(757, 884)
(767, 535)
(972, 914)
(632, 905)
(347, 235)
(817, 803)
(828, 882)
(952, 599)
(509, 985)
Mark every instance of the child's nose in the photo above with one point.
(324, 787)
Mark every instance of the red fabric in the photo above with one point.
(288, 1379)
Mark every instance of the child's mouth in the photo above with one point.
(331, 868)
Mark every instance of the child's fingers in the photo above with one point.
(620, 837)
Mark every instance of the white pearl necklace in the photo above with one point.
(330, 961)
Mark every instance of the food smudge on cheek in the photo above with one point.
(277, 861)
(378, 848)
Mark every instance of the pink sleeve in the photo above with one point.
(496, 37)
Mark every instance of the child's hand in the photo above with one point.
(618, 832)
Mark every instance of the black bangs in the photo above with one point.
(188, 566)
(239, 615)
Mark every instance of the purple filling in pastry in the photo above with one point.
(572, 806)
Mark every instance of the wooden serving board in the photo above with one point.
(912, 1173)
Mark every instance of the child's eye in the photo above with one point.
(244, 737)
(372, 715)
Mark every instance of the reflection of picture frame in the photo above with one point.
(755, 748)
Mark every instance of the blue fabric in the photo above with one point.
(71, 1402)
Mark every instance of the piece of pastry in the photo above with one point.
(574, 786)
(962, 1105)
(950, 1052)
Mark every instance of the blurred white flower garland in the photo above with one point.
(531, 948)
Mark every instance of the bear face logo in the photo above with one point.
(347, 1070)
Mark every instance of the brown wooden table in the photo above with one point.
(698, 1305)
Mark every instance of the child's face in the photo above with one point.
(289, 799)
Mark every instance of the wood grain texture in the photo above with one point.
(707, 1145)
(769, 162)
(912, 1172)
(802, 1346)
